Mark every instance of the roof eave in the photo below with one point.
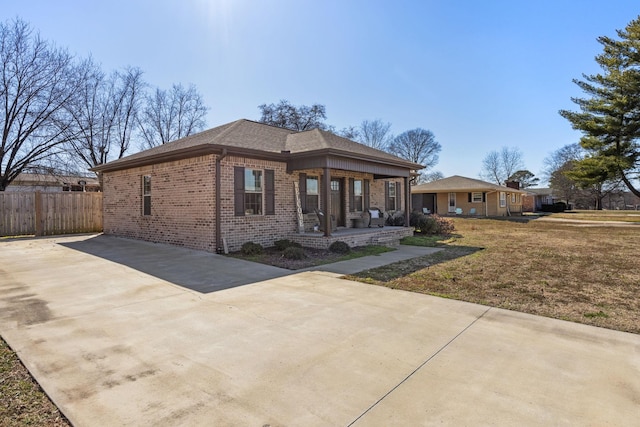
(350, 155)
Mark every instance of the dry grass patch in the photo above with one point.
(623, 216)
(583, 274)
(22, 401)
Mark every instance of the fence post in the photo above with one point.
(39, 213)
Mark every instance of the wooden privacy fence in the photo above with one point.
(46, 214)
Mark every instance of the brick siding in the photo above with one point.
(183, 203)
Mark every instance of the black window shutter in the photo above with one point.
(269, 192)
(484, 197)
(352, 198)
(366, 194)
(238, 190)
(386, 195)
(303, 192)
(398, 196)
(469, 198)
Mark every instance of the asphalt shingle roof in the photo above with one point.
(249, 135)
(457, 183)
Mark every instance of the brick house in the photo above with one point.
(467, 196)
(243, 181)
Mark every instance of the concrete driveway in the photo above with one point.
(114, 345)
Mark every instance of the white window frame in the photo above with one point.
(476, 197)
(503, 199)
(146, 195)
(394, 197)
(313, 193)
(249, 172)
(358, 195)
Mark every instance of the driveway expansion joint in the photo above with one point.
(405, 379)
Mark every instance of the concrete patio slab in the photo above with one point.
(115, 345)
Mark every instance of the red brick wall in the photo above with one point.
(262, 229)
(182, 203)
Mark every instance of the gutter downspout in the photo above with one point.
(407, 201)
(219, 245)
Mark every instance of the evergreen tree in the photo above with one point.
(610, 118)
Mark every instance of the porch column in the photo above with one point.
(407, 200)
(326, 201)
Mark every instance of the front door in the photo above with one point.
(452, 202)
(337, 200)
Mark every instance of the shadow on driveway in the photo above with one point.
(196, 270)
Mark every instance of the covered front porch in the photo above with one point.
(385, 236)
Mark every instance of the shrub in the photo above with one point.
(444, 226)
(421, 222)
(339, 247)
(251, 248)
(283, 244)
(294, 252)
(554, 208)
(431, 224)
(397, 219)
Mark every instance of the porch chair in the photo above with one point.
(320, 215)
(426, 211)
(472, 211)
(376, 217)
(459, 211)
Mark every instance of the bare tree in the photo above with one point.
(430, 176)
(285, 115)
(376, 134)
(418, 146)
(104, 115)
(171, 115)
(36, 84)
(560, 157)
(350, 132)
(498, 166)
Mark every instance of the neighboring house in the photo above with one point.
(536, 197)
(467, 196)
(243, 181)
(52, 183)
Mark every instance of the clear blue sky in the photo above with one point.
(479, 74)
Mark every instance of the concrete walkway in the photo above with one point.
(114, 345)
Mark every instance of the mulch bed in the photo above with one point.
(313, 257)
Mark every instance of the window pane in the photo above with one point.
(312, 185)
(357, 187)
(146, 205)
(477, 197)
(147, 185)
(146, 195)
(392, 189)
(253, 203)
(357, 200)
(312, 202)
(252, 180)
